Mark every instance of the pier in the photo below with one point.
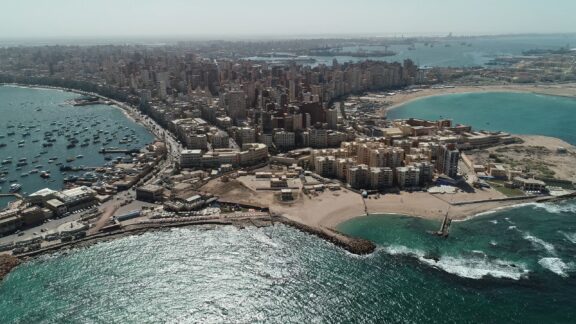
(445, 227)
(117, 150)
(12, 194)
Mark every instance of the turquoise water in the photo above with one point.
(508, 266)
(517, 113)
(36, 111)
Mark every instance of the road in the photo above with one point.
(122, 200)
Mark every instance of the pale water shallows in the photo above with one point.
(516, 113)
(514, 265)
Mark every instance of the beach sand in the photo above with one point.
(400, 98)
(330, 208)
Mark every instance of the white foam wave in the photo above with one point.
(512, 227)
(493, 243)
(540, 243)
(472, 268)
(555, 265)
(569, 236)
(263, 238)
(494, 211)
(557, 208)
(494, 221)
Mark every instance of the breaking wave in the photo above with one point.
(540, 243)
(568, 207)
(569, 236)
(476, 267)
(555, 265)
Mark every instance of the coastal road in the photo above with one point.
(173, 154)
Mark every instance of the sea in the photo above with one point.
(515, 265)
(32, 113)
(452, 51)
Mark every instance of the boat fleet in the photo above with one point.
(71, 132)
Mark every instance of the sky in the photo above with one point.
(243, 18)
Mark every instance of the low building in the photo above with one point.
(191, 158)
(278, 183)
(10, 225)
(286, 194)
(57, 207)
(77, 198)
(529, 184)
(498, 171)
(149, 193)
(33, 216)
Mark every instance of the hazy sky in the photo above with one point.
(106, 18)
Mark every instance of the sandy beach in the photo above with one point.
(329, 208)
(400, 98)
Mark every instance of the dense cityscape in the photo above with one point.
(259, 133)
(214, 115)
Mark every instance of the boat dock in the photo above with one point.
(117, 150)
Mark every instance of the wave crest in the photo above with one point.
(472, 267)
(538, 242)
(555, 265)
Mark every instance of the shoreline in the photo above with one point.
(557, 90)
(320, 217)
(351, 244)
(126, 108)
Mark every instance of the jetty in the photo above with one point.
(12, 194)
(445, 227)
(117, 150)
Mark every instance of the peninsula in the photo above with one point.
(253, 143)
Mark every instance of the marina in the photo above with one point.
(41, 134)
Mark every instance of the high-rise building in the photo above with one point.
(357, 176)
(408, 177)
(325, 166)
(447, 162)
(284, 140)
(380, 178)
(297, 122)
(245, 135)
(236, 105)
(332, 118)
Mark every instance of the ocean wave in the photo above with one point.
(538, 242)
(494, 221)
(555, 265)
(552, 208)
(265, 239)
(496, 210)
(512, 227)
(471, 268)
(569, 236)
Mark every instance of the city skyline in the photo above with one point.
(257, 18)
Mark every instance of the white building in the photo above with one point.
(284, 140)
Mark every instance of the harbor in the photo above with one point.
(44, 140)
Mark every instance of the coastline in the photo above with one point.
(321, 215)
(351, 244)
(560, 90)
(126, 109)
